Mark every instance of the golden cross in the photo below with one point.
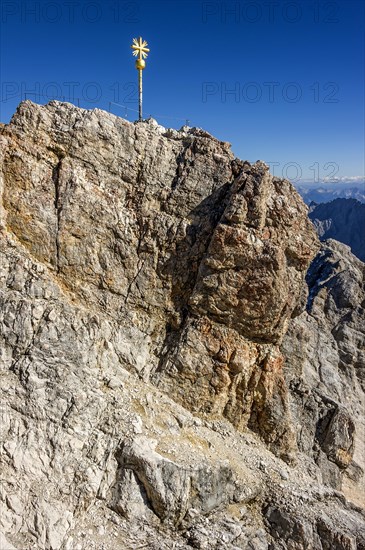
(140, 51)
(139, 47)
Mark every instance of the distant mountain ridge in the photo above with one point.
(342, 220)
(323, 193)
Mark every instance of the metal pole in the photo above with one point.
(140, 94)
(140, 51)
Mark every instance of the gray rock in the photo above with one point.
(147, 280)
(325, 366)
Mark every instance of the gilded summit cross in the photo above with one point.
(140, 51)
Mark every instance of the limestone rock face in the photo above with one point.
(161, 231)
(252, 274)
(148, 279)
(325, 368)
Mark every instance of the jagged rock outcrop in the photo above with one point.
(343, 220)
(167, 233)
(147, 281)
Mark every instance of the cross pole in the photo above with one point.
(140, 51)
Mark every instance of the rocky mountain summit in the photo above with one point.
(166, 384)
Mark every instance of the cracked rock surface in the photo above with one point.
(157, 389)
(325, 369)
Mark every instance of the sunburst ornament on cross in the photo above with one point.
(140, 51)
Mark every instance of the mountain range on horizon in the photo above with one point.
(326, 192)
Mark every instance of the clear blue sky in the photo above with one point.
(296, 69)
